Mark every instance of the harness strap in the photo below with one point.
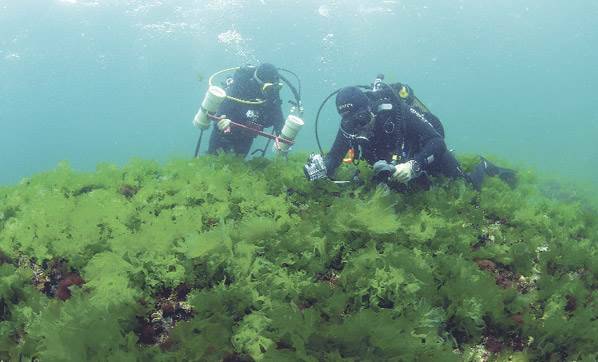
(400, 133)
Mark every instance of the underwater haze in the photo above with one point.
(91, 81)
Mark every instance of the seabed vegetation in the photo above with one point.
(223, 259)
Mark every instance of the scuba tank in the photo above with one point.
(292, 126)
(399, 91)
(211, 101)
(377, 85)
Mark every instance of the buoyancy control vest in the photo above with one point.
(406, 94)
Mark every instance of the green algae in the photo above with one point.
(217, 258)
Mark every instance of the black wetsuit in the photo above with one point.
(400, 133)
(258, 117)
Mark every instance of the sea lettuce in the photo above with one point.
(218, 258)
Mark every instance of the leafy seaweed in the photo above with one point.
(222, 259)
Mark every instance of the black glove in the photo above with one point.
(383, 170)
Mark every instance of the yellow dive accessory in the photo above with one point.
(350, 156)
(404, 93)
(409, 96)
(238, 100)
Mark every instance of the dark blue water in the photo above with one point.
(92, 81)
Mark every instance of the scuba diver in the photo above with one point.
(403, 143)
(246, 104)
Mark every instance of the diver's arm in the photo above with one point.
(334, 158)
(433, 145)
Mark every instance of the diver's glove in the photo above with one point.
(406, 171)
(197, 122)
(315, 168)
(224, 125)
(383, 170)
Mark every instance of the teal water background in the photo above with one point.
(92, 81)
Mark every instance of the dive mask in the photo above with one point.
(358, 126)
(271, 90)
(268, 89)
